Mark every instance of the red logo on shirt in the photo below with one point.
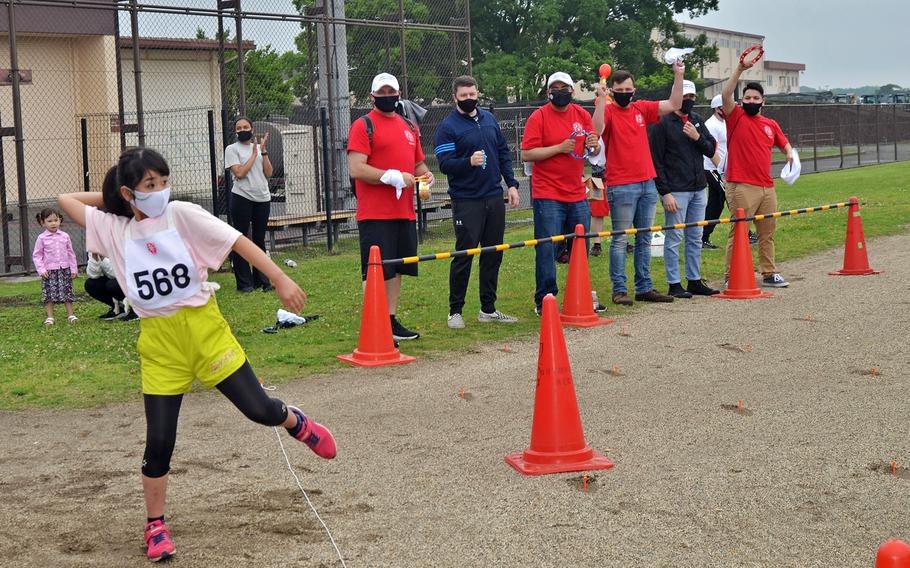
(768, 132)
(576, 127)
(640, 119)
(410, 137)
(152, 248)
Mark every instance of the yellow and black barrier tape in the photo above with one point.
(632, 231)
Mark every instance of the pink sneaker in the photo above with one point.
(314, 435)
(159, 541)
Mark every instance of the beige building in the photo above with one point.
(782, 77)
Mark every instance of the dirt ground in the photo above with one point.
(802, 477)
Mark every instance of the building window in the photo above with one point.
(770, 80)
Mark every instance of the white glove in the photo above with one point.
(395, 179)
(675, 53)
(287, 317)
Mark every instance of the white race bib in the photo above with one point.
(159, 269)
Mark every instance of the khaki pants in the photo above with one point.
(755, 200)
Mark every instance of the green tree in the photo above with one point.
(517, 43)
(890, 88)
(267, 90)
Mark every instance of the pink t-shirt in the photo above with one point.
(207, 238)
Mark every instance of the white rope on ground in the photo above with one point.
(307, 497)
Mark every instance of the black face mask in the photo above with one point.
(245, 135)
(687, 106)
(387, 103)
(467, 106)
(752, 109)
(623, 99)
(561, 97)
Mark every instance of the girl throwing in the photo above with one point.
(161, 252)
(55, 262)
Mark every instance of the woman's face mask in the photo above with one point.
(244, 135)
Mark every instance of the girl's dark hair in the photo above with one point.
(129, 171)
(47, 212)
(239, 118)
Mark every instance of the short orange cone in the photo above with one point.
(376, 346)
(578, 304)
(741, 285)
(893, 554)
(856, 261)
(557, 440)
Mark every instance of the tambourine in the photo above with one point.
(588, 151)
(761, 53)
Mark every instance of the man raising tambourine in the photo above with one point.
(750, 138)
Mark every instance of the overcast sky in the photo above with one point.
(843, 43)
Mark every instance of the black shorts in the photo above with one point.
(396, 238)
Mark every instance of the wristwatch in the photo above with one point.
(263, 153)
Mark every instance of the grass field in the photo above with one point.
(94, 362)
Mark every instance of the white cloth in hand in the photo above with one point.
(675, 53)
(791, 170)
(395, 179)
(600, 158)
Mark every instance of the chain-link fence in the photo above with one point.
(82, 79)
(94, 76)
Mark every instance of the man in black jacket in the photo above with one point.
(474, 155)
(678, 143)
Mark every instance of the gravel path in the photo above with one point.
(802, 477)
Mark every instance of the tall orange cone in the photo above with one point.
(376, 346)
(741, 285)
(856, 261)
(578, 305)
(557, 440)
(893, 554)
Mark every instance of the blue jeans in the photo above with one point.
(691, 208)
(553, 217)
(632, 205)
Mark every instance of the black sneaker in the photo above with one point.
(129, 316)
(596, 250)
(400, 332)
(630, 248)
(110, 315)
(707, 245)
(753, 238)
(699, 288)
(563, 257)
(538, 310)
(677, 291)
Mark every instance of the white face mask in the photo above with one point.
(152, 204)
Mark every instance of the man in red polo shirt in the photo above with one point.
(554, 141)
(384, 155)
(631, 191)
(750, 138)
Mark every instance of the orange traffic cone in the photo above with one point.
(856, 261)
(557, 440)
(741, 285)
(893, 554)
(578, 305)
(376, 346)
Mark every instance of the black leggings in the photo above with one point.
(242, 388)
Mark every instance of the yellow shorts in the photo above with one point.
(194, 343)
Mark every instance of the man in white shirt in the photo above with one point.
(717, 126)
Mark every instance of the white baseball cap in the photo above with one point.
(717, 101)
(562, 77)
(688, 88)
(383, 79)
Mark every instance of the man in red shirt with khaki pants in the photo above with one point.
(750, 138)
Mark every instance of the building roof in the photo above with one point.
(721, 30)
(185, 44)
(784, 66)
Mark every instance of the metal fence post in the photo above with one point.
(213, 162)
(241, 79)
(83, 124)
(118, 61)
(878, 138)
(137, 71)
(894, 128)
(840, 136)
(18, 138)
(815, 135)
(859, 147)
(326, 172)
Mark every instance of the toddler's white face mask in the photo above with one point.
(153, 203)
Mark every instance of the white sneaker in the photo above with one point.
(455, 321)
(496, 316)
(774, 281)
